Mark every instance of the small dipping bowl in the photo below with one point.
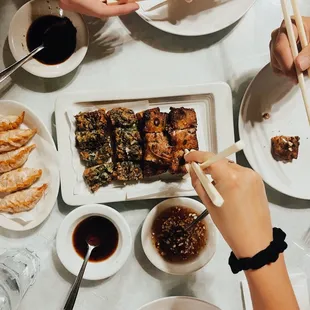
(20, 25)
(152, 253)
(73, 261)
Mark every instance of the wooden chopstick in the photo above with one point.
(236, 147)
(210, 189)
(294, 48)
(300, 26)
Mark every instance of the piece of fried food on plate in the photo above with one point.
(153, 120)
(128, 171)
(182, 118)
(285, 148)
(87, 121)
(122, 117)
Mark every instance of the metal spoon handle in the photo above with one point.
(197, 220)
(76, 285)
(8, 71)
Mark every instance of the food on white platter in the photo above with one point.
(15, 159)
(14, 139)
(21, 201)
(9, 122)
(19, 179)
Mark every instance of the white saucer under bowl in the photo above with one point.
(156, 259)
(73, 262)
(179, 303)
(17, 37)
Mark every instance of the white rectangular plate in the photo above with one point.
(215, 131)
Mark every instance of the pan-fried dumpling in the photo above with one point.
(23, 200)
(15, 159)
(9, 122)
(19, 179)
(14, 139)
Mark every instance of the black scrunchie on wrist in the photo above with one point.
(265, 257)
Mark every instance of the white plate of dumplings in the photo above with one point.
(29, 174)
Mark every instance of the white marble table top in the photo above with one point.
(126, 53)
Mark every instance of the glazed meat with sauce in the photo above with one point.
(153, 120)
(128, 144)
(157, 148)
(98, 176)
(88, 121)
(178, 163)
(285, 148)
(128, 171)
(184, 139)
(122, 117)
(182, 118)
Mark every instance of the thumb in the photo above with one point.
(303, 59)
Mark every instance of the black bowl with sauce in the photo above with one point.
(100, 228)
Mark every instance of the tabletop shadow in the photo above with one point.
(26, 80)
(142, 31)
(62, 206)
(69, 277)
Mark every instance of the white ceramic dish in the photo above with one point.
(201, 17)
(179, 303)
(153, 255)
(215, 133)
(46, 204)
(73, 262)
(283, 101)
(18, 37)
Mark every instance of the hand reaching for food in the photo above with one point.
(244, 219)
(282, 61)
(98, 8)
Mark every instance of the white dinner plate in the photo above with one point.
(45, 148)
(179, 303)
(201, 17)
(98, 270)
(277, 96)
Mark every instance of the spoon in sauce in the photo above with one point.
(56, 33)
(92, 243)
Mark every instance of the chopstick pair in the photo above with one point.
(294, 48)
(210, 189)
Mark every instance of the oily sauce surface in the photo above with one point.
(61, 41)
(99, 228)
(172, 242)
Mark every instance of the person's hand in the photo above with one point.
(282, 61)
(98, 8)
(244, 219)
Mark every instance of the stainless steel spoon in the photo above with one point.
(92, 244)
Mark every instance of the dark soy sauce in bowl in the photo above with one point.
(96, 228)
(58, 35)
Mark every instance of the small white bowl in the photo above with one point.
(152, 253)
(95, 270)
(17, 37)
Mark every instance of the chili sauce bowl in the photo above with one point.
(185, 267)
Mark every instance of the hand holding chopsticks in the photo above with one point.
(210, 189)
(293, 45)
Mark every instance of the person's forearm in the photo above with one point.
(271, 288)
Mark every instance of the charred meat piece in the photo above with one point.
(285, 148)
(91, 120)
(157, 148)
(97, 157)
(91, 140)
(178, 163)
(128, 144)
(153, 120)
(122, 117)
(98, 176)
(151, 169)
(128, 171)
(182, 118)
(184, 139)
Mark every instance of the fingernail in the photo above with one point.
(304, 63)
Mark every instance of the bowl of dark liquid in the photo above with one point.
(64, 34)
(100, 223)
